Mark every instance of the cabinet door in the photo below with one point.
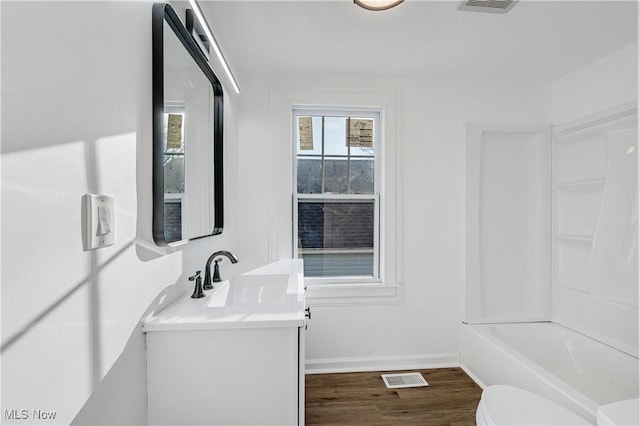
(224, 377)
(301, 374)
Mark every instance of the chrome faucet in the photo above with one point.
(216, 270)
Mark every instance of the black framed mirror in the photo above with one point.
(187, 135)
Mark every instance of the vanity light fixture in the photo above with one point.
(214, 44)
(377, 4)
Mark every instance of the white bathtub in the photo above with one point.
(553, 361)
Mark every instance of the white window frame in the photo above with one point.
(284, 97)
(376, 115)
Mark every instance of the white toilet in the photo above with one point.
(508, 405)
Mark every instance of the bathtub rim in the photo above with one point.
(625, 349)
(578, 399)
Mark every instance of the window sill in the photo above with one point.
(352, 294)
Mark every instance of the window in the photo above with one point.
(337, 202)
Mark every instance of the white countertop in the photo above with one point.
(268, 296)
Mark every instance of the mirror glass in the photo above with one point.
(187, 135)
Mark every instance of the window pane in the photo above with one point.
(362, 172)
(360, 134)
(335, 224)
(172, 220)
(336, 238)
(177, 144)
(309, 175)
(336, 175)
(369, 152)
(335, 136)
(173, 174)
(338, 264)
(309, 144)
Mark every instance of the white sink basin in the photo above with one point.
(250, 292)
(219, 296)
(259, 290)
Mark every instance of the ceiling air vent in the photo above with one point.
(487, 6)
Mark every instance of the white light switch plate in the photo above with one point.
(99, 221)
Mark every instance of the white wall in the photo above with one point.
(422, 328)
(76, 118)
(605, 83)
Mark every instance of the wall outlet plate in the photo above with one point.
(99, 221)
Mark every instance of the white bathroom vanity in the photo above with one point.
(234, 357)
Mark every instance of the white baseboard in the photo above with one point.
(473, 376)
(381, 363)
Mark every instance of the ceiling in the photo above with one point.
(536, 40)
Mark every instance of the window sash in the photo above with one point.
(341, 198)
(339, 113)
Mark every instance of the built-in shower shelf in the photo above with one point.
(581, 184)
(583, 238)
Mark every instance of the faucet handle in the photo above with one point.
(216, 272)
(207, 283)
(197, 290)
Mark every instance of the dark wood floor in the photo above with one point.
(363, 399)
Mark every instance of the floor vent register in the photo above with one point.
(404, 380)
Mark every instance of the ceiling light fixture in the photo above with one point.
(377, 4)
(203, 22)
